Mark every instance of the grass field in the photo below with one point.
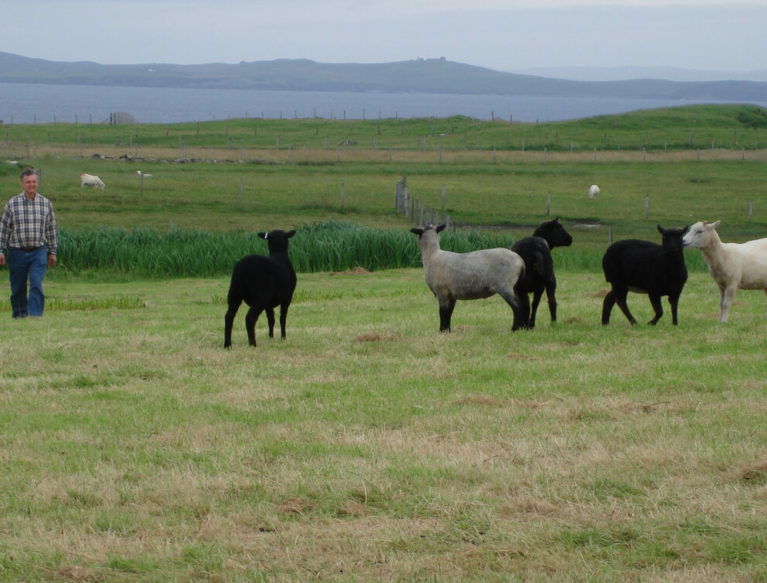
(367, 446)
(253, 185)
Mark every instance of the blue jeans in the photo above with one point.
(23, 265)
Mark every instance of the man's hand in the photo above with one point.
(51, 260)
(2, 259)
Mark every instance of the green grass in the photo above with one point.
(261, 187)
(370, 446)
(681, 128)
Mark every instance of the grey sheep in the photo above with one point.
(468, 276)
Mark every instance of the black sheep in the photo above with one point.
(539, 267)
(645, 267)
(263, 283)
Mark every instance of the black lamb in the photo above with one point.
(539, 267)
(263, 283)
(648, 268)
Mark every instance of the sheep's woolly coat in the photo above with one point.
(468, 276)
(263, 283)
(733, 266)
(539, 275)
(645, 267)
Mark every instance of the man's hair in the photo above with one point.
(28, 172)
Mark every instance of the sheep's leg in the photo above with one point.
(445, 313)
(765, 293)
(534, 307)
(520, 305)
(551, 297)
(228, 323)
(270, 320)
(250, 325)
(283, 318)
(607, 307)
(658, 307)
(674, 302)
(621, 295)
(727, 295)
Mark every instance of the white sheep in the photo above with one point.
(469, 276)
(593, 190)
(732, 265)
(90, 180)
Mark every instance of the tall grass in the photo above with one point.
(319, 247)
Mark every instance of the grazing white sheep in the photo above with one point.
(143, 174)
(593, 190)
(90, 180)
(469, 276)
(732, 265)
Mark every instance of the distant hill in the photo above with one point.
(420, 75)
(635, 72)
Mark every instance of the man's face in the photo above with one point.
(29, 184)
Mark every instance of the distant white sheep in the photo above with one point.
(469, 276)
(732, 265)
(593, 190)
(90, 180)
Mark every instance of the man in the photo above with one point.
(28, 231)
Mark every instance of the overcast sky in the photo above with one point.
(507, 35)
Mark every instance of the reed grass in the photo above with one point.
(319, 247)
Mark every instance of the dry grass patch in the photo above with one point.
(377, 448)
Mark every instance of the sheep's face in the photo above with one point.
(277, 240)
(554, 233)
(672, 238)
(699, 234)
(428, 236)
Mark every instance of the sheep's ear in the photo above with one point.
(714, 225)
(290, 233)
(660, 229)
(417, 231)
(440, 228)
(261, 234)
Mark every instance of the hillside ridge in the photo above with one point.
(418, 76)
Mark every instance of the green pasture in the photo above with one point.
(367, 446)
(295, 180)
(732, 127)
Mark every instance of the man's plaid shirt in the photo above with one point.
(28, 223)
